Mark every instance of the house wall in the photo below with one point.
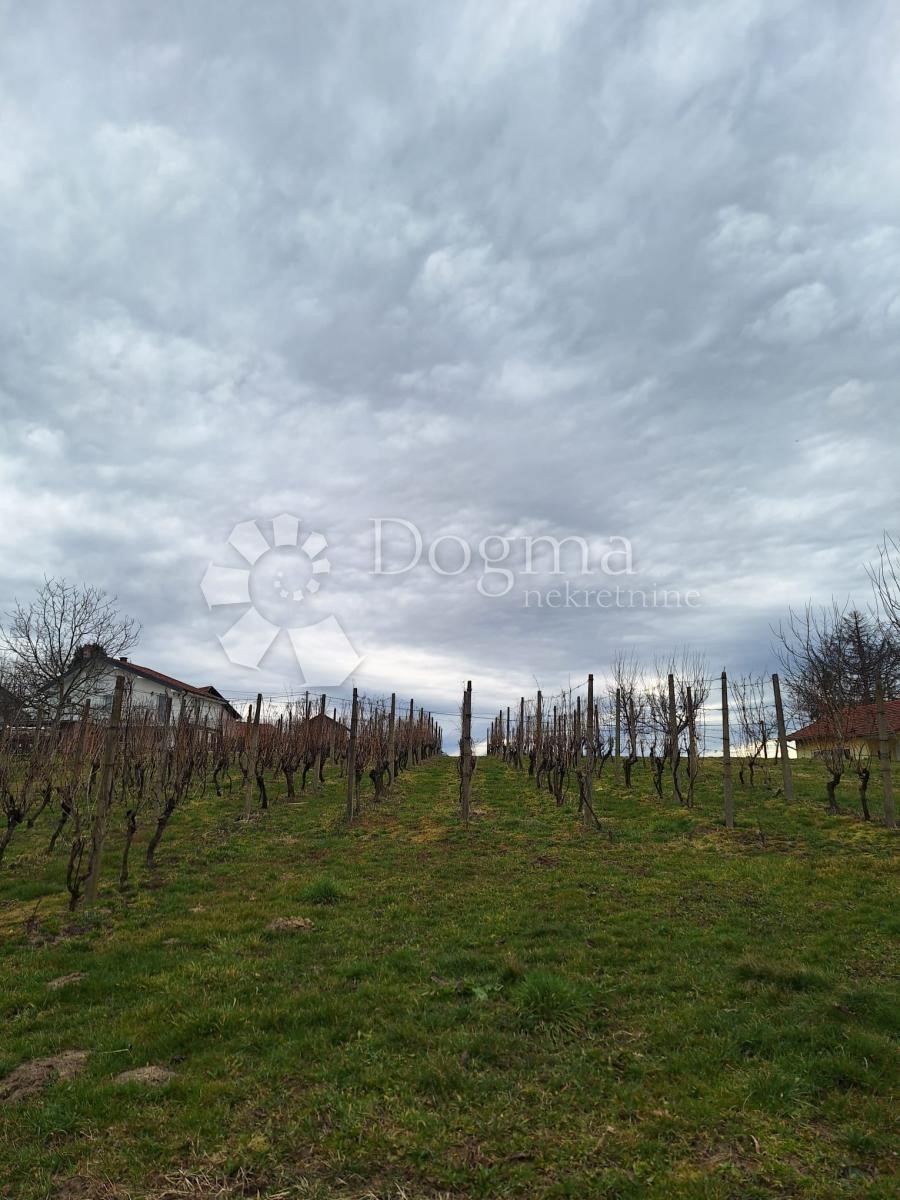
(811, 749)
(149, 695)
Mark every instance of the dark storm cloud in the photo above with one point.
(515, 268)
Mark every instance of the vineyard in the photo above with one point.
(137, 767)
(670, 720)
(309, 955)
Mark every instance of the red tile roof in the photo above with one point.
(861, 723)
(208, 692)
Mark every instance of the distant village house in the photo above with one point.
(147, 689)
(860, 732)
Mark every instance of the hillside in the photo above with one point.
(523, 1009)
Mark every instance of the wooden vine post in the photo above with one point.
(576, 738)
(252, 753)
(618, 730)
(392, 736)
(726, 758)
(351, 757)
(587, 811)
(466, 761)
(104, 792)
(884, 758)
(674, 753)
(787, 779)
(538, 730)
(322, 740)
(693, 756)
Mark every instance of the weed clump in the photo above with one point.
(323, 891)
(545, 1000)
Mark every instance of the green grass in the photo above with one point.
(660, 1009)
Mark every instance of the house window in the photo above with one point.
(161, 706)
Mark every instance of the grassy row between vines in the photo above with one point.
(521, 1009)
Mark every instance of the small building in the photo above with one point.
(148, 690)
(860, 732)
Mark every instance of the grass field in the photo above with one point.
(525, 1009)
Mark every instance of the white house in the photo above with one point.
(146, 689)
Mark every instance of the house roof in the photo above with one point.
(206, 693)
(862, 722)
(329, 718)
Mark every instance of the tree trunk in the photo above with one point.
(864, 774)
(12, 822)
(161, 822)
(130, 831)
(377, 775)
(830, 789)
(659, 766)
(45, 800)
(66, 810)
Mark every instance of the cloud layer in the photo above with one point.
(509, 269)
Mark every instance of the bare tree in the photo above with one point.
(59, 641)
(633, 702)
(753, 721)
(872, 655)
(885, 578)
(27, 761)
(813, 647)
(182, 757)
(667, 725)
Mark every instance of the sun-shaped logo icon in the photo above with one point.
(281, 576)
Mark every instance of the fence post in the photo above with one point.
(576, 737)
(351, 758)
(392, 724)
(252, 748)
(104, 792)
(787, 779)
(726, 758)
(674, 752)
(884, 758)
(163, 760)
(587, 811)
(538, 731)
(520, 732)
(693, 758)
(465, 754)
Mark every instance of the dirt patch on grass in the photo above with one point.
(64, 980)
(151, 1076)
(33, 1077)
(547, 861)
(39, 935)
(79, 1187)
(290, 925)
(427, 833)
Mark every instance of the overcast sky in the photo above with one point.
(605, 270)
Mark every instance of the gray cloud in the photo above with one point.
(568, 268)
